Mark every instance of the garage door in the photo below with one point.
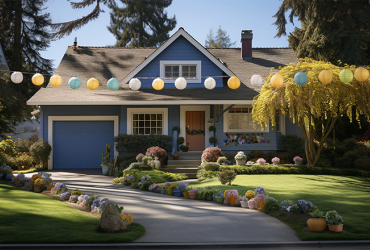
(78, 144)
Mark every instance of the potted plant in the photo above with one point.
(184, 148)
(212, 128)
(170, 189)
(318, 222)
(335, 221)
(177, 129)
(252, 204)
(213, 140)
(193, 193)
(105, 163)
(261, 198)
(240, 158)
(232, 196)
(180, 140)
(185, 192)
(244, 202)
(207, 195)
(297, 160)
(275, 161)
(261, 161)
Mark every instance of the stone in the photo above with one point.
(111, 221)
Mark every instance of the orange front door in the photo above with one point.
(195, 121)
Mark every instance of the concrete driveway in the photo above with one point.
(176, 219)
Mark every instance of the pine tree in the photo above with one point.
(141, 23)
(24, 35)
(221, 40)
(331, 30)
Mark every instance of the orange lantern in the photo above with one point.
(55, 81)
(325, 76)
(361, 74)
(93, 83)
(38, 79)
(277, 80)
(158, 84)
(233, 82)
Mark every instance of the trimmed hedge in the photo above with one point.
(134, 144)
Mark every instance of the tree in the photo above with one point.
(141, 23)
(222, 40)
(331, 30)
(315, 107)
(24, 35)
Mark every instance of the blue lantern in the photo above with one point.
(300, 78)
(74, 83)
(113, 84)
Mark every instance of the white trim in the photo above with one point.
(206, 110)
(180, 32)
(180, 64)
(226, 123)
(163, 111)
(159, 102)
(52, 119)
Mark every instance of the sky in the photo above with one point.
(197, 17)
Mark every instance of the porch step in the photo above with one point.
(191, 155)
(182, 170)
(184, 162)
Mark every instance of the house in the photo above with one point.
(78, 122)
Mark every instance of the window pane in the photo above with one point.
(141, 131)
(185, 74)
(147, 131)
(152, 116)
(152, 124)
(153, 131)
(135, 124)
(141, 124)
(232, 110)
(135, 117)
(167, 75)
(159, 131)
(244, 110)
(193, 71)
(147, 124)
(135, 131)
(159, 117)
(147, 117)
(185, 68)
(159, 124)
(141, 116)
(175, 71)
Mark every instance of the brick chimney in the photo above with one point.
(246, 40)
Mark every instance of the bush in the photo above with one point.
(3, 159)
(202, 174)
(134, 165)
(40, 151)
(211, 166)
(180, 140)
(8, 147)
(184, 148)
(23, 145)
(271, 206)
(212, 140)
(146, 159)
(212, 128)
(211, 154)
(145, 185)
(23, 161)
(221, 160)
(226, 176)
(231, 157)
(158, 152)
(255, 154)
(76, 192)
(177, 129)
(123, 162)
(134, 144)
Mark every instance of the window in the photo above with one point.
(239, 119)
(190, 70)
(146, 121)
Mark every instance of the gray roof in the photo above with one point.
(106, 62)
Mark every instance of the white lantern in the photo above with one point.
(17, 77)
(256, 81)
(180, 83)
(210, 83)
(134, 84)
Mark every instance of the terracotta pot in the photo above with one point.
(232, 201)
(335, 228)
(170, 191)
(316, 224)
(192, 196)
(186, 194)
(262, 203)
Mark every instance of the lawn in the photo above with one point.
(28, 217)
(349, 196)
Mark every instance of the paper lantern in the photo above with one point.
(158, 84)
(361, 74)
(93, 84)
(256, 81)
(210, 83)
(38, 79)
(17, 77)
(277, 80)
(180, 83)
(55, 81)
(325, 76)
(346, 75)
(300, 78)
(74, 83)
(233, 82)
(134, 84)
(113, 84)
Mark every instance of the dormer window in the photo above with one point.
(171, 70)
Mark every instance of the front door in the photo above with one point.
(194, 123)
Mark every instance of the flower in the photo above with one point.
(139, 156)
(168, 184)
(65, 195)
(38, 182)
(304, 206)
(73, 198)
(249, 194)
(232, 193)
(153, 187)
(131, 177)
(251, 200)
(271, 199)
(183, 186)
(260, 197)
(259, 190)
(297, 158)
(193, 191)
(126, 218)
(261, 160)
(275, 159)
(240, 156)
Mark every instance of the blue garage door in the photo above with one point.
(78, 144)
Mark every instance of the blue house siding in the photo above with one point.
(292, 128)
(180, 50)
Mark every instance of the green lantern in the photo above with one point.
(346, 75)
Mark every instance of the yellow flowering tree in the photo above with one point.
(314, 106)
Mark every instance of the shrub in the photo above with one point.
(23, 145)
(212, 128)
(180, 140)
(158, 152)
(212, 140)
(3, 159)
(23, 161)
(221, 160)
(134, 144)
(134, 165)
(146, 159)
(270, 206)
(174, 177)
(231, 157)
(177, 129)
(226, 176)
(40, 151)
(255, 154)
(7, 146)
(76, 192)
(123, 162)
(202, 174)
(184, 148)
(145, 185)
(211, 166)
(211, 154)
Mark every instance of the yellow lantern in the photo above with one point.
(55, 81)
(92, 83)
(277, 80)
(233, 82)
(361, 74)
(38, 79)
(325, 76)
(158, 84)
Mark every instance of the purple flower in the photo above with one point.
(131, 177)
(9, 177)
(65, 195)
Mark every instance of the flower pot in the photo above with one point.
(335, 228)
(36, 189)
(244, 204)
(232, 201)
(186, 194)
(316, 224)
(240, 162)
(104, 169)
(177, 193)
(220, 199)
(261, 203)
(170, 191)
(214, 198)
(164, 191)
(298, 163)
(209, 198)
(275, 163)
(175, 156)
(192, 196)
(252, 204)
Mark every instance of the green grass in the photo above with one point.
(28, 217)
(30, 170)
(349, 196)
(158, 176)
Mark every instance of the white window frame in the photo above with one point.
(226, 122)
(180, 64)
(163, 111)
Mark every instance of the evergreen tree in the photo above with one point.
(141, 23)
(24, 35)
(221, 40)
(331, 30)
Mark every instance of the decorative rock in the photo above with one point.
(111, 221)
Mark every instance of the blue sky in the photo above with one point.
(197, 17)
